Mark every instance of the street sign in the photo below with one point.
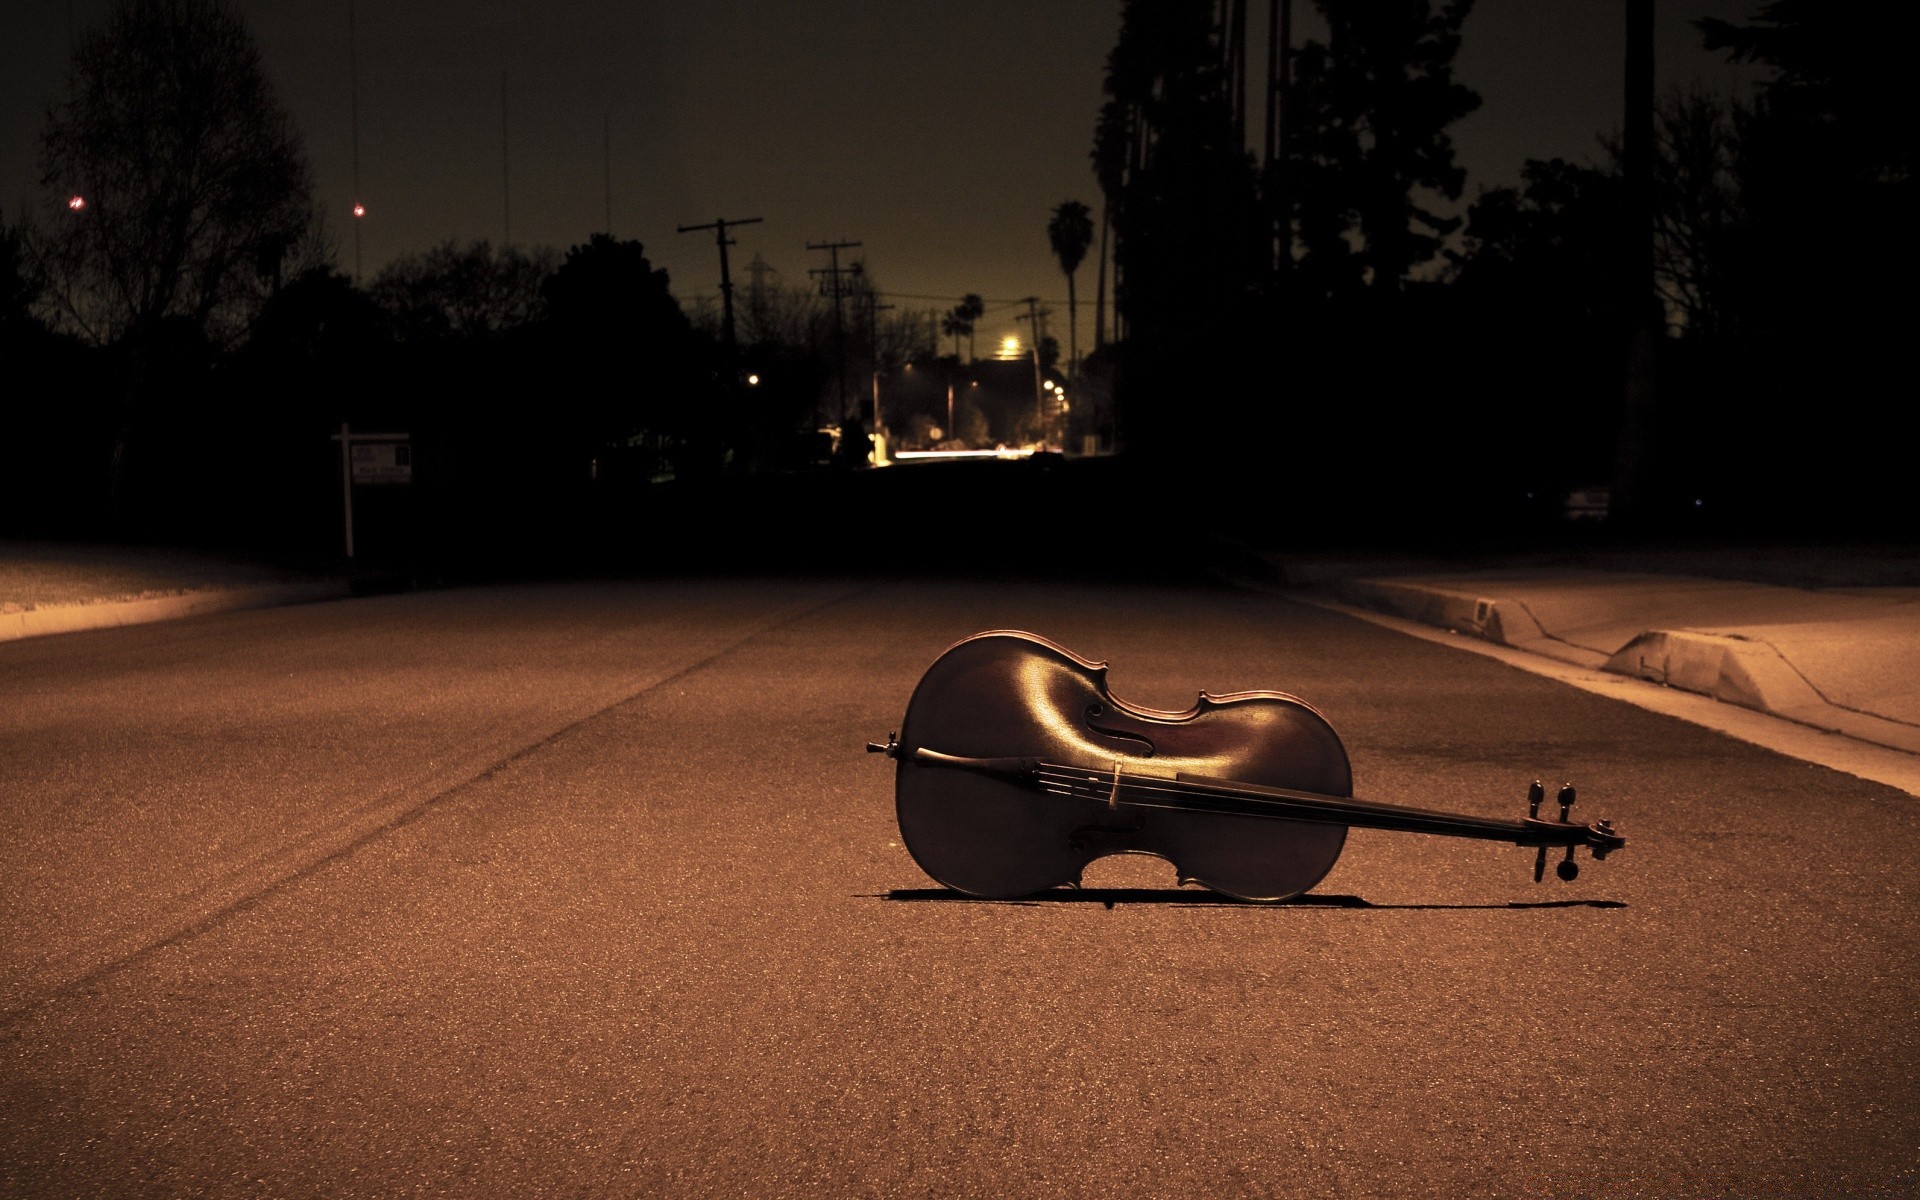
(369, 458)
(382, 462)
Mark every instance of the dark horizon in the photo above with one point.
(1323, 324)
(939, 142)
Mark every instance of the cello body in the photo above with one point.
(1006, 693)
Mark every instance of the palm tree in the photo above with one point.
(1071, 232)
(970, 309)
(956, 327)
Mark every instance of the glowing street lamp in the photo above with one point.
(76, 202)
(359, 210)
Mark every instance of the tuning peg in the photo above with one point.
(1566, 801)
(1537, 792)
(1568, 869)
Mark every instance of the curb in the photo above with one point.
(1502, 622)
(73, 618)
(1735, 670)
(1751, 674)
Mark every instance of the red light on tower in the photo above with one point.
(76, 202)
(359, 210)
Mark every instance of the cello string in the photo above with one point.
(1335, 812)
(1178, 791)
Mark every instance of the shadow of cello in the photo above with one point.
(1111, 897)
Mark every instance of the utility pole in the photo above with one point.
(1233, 39)
(1627, 500)
(506, 197)
(833, 271)
(719, 226)
(353, 110)
(874, 309)
(606, 166)
(1039, 393)
(1279, 83)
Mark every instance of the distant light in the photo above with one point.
(753, 380)
(359, 210)
(1009, 347)
(76, 202)
(938, 455)
(1049, 385)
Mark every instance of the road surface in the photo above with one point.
(591, 890)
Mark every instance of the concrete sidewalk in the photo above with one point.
(1840, 659)
(48, 588)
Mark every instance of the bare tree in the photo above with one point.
(1696, 207)
(173, 183)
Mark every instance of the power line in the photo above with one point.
(957, 299)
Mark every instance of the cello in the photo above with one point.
(1016, 767)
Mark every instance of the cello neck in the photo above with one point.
(1120, 788)
(1228, 797)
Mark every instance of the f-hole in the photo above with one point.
(1101, 720)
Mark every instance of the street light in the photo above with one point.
(76, 202)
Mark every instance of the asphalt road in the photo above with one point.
(592, 890)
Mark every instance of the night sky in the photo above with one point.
(939, 136)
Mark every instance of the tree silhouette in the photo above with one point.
(189, 174)
(1549, 248)
(1189, 239)
(1824, 159)
(970, 309)
(1823, 163)
(173, 189)
(1369, 111)
(468, 291)
(1186, 217)
(612, 320)
(1697, 210)
(1070, 233)
(18, 289)
(1112, 147)
(956, 327)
